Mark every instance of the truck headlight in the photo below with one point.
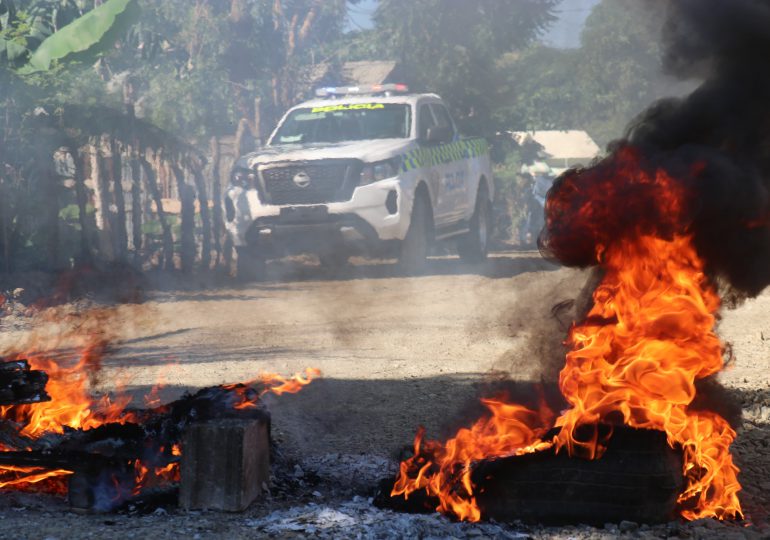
(380, 170)
(244, 178)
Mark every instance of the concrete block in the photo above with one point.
(224, 464)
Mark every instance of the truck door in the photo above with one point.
(431, 169)
(453, 166)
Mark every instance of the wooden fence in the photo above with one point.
(147, 206)
(94, 184)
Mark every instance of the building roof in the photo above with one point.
(363, 73)
(349, 73)
(558, 144)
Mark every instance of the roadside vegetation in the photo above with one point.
(113, 113)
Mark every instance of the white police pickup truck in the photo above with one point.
(373, 170)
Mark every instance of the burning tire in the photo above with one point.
(473, 247)
(638, 478)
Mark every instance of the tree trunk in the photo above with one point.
(240, 134)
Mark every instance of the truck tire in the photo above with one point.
(639, 478)
(473, 247)
(249, 266)
(416, 244)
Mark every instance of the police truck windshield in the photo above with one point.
(345, 122)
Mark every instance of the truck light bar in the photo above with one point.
(331, 91)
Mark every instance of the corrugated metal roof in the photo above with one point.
(567, 144)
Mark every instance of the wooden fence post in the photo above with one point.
(79, 156)
(116, 175)
(216, 195)
(102, 202)
(203, 202)
(152, 186)
(187, 198)
(4, 225)
(136, 205)
(257, 121)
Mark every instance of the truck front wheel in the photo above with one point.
(473, 247)
(416, 244)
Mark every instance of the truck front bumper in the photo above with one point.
(376, 213)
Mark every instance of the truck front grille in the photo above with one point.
(309, 183)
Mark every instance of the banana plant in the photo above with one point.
(50, 31)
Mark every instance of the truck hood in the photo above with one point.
(366, 151)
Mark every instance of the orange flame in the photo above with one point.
(647, 339)
(26, 477)
(144, 477)
(273, 383)
(511, 430)
(72, 407)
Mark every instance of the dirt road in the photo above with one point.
(395, 353)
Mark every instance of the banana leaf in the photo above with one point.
(87, 35)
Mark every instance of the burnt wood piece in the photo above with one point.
(225, 464)
(50, 460)
(19, 384)
(150, 429)
(101, 485)
(67, 460)
(638, 478)
(102, 459)
(97, 483)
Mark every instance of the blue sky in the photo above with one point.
(564, 33)
(360, 15)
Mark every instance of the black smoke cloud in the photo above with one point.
(716, 141)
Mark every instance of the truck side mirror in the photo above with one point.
(439, 134)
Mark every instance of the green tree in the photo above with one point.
(614, 75)
(451, 46)
(39, 40)
(193, 67)
(538, 89)
(47, 31)
(620, 67)
(196, 67)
